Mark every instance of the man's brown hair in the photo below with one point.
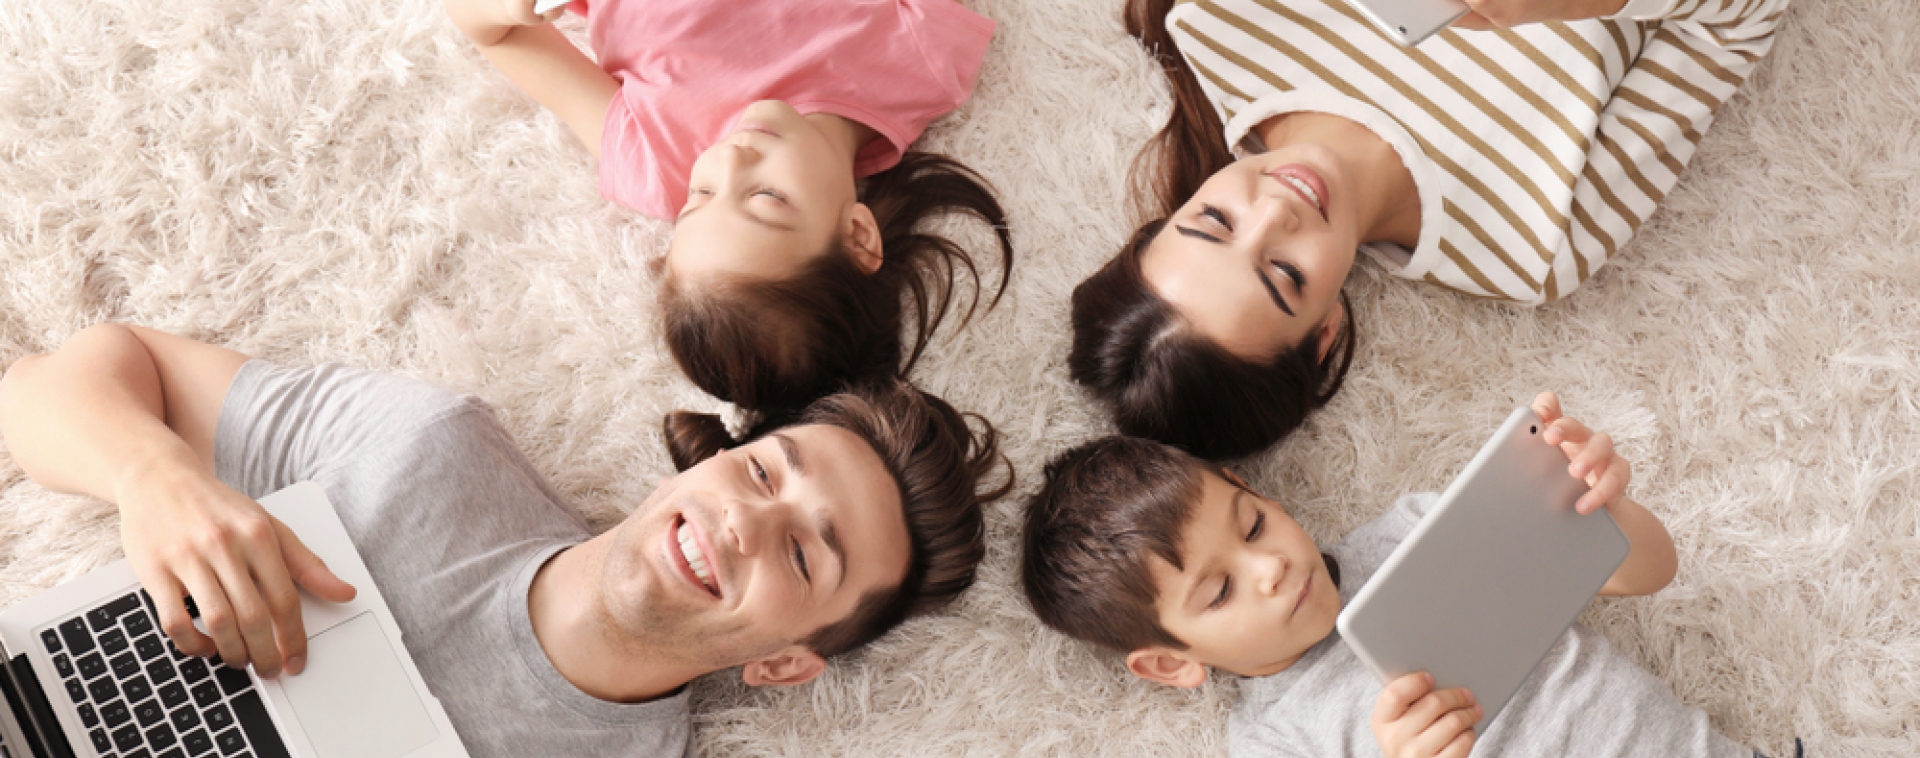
(1105, 508)
(938, 461)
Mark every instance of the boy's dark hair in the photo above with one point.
(933, 455)
(775, 345)
(1106, 507)
(1164, 382)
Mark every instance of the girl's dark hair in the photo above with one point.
(775, 345)
(1164, 382)
(1137, 354)
(937, 459)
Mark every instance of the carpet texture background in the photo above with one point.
(348, 180)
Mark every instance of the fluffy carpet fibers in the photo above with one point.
(310, 180)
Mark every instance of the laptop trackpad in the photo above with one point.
(354, 700)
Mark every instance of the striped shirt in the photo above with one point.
(1537, 151)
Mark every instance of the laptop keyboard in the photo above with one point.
(140, 697)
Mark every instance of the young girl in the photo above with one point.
(749, 123)
(1506, 164)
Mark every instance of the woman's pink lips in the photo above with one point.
(1307, 175)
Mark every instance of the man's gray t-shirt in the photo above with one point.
(1583, 699)
(453, 522)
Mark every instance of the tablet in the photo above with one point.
(1492, 576)
(1410, 21)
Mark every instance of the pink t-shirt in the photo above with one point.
(687, 68)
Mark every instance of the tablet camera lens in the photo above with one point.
(1533, 430)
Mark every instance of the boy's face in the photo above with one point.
(1253, 597)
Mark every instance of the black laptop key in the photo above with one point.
(62, 665)
(232, 679)
(172, 753)
(141, 753)
(186, 718)
(150, 648)
(75, 692)
(126, 737)
(115, 713)
(149, 713)
(230, 742)
(218, 717)
(74, 631)
(173, 694)
(193, 669)
(258, 725)
(161, 737)
(137, 689)
(193, 609)
(196, 742)
(206, 693)
(160, 670)
(137, 624)
(100, 741)
(92, 665)
(87, 716)
(105, 616)
(125, 665)
(102, 689)
(113, 641)
(51, 639)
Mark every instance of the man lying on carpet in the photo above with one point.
(770, 554)
(1145, 550)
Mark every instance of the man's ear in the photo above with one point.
(1330, 328)
(793, 665)
(862, 235)
(1167, 666)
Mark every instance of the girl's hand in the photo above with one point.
(1500, 14)
(1412, 720)
(1590, 456)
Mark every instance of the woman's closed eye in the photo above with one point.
(1216, 216)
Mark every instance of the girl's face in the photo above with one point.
(1256, 259)
(766, 199)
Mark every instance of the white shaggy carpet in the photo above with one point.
(311, 180)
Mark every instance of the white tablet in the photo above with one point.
(1491, 577)
(1410, 21)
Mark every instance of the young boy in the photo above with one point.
(1142, 549)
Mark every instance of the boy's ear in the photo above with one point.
(862, 235)
(1167, 666)
(793, 665)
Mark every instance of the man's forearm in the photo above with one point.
(92, 416)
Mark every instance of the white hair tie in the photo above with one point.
(739, 421)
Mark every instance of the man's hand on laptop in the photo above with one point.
(1590, 455)
(1411, 719)
(186, 533)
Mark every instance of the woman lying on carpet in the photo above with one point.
(748, 124)
(1507, 164)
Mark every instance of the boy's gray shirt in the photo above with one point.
(1584, 699)
(453, 522)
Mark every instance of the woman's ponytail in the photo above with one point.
(1192, 146)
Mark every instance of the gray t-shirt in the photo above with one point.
(453, 522)
(1584, 699)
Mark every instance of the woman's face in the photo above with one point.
(765, 199)
(1256, 259)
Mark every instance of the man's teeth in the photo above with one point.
(1305, 189)
(690, 550)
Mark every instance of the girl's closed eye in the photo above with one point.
(770, 192)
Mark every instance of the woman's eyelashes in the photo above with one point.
(1291, 272)
(1216, 216)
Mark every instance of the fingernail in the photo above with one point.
(296, 664)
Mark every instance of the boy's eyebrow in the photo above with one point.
(1233, 517)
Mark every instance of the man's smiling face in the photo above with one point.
(751, 551)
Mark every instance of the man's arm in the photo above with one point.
(128, 415)
(540, 61)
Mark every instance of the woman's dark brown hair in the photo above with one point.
(937, 459)
(775, 345)
(1137, 354)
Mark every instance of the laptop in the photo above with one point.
(1487, 582)
(89, 674)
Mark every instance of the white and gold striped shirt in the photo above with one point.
(1537, 151)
